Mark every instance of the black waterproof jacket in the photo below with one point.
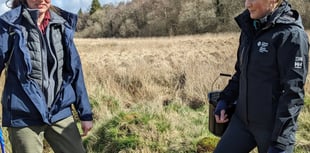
(271, 71)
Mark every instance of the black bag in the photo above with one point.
(218, 129)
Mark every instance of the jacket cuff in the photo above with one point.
(88, 117)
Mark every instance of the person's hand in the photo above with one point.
(275, 150)
(220, 112)
(86, 127)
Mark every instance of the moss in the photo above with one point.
(207, 144)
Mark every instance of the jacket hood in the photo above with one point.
(13, 15)
(282, 15)
(285, 15)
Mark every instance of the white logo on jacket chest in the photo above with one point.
(298, 62)
(262, 47)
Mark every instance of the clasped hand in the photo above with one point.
(220, 112)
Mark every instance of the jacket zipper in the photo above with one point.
(246, 62)
(43, 59)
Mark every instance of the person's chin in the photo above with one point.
(42, 10)
(254, 16)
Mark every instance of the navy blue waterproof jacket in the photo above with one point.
(271, 70)
(23, 102)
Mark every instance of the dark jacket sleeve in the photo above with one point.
(231, 91)
(293, 67)
(4, 45)
(82, 104)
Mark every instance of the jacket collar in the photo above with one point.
(69, 17)
(11, 16)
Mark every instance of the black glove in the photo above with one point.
(220, 106)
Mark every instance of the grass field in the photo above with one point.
(149, 95)
(154, 90)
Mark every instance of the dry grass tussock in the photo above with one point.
(157, 67)
(157, 72)
(149, 68)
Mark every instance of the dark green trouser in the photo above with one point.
(63, 137)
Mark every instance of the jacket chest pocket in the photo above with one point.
(263, 55)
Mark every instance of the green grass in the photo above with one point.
(141, 128)
(116, 134)
(173, 128)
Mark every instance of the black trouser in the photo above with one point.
(239, 138)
